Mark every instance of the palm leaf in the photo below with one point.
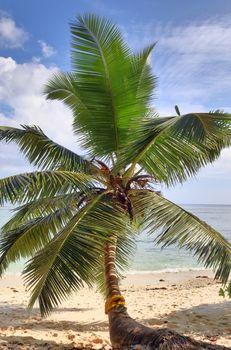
(30, 186)
(109, 89)
(40, 207)
(33, 226)
(146, 81)
(26, 239)
(74, 255)
(42, 151)
(173, 148)
(183, 229)
(201, 127)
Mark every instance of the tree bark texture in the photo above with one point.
(126, 333)
(111, 278)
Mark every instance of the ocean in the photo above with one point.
(150, 258)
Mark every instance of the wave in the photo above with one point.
(179, 269)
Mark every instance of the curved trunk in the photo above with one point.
(125, 332)
(111, 278)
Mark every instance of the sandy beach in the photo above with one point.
(187, 302)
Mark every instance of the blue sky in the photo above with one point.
(191, 60)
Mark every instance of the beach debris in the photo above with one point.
(156, 288)
(97, 341)
(70, 336)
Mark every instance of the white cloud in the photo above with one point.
(11, 36)
(36, 59)
(200, 40)
(220, 169)
(21, 89)
(199, 66)
(47, 50)
(192, 61)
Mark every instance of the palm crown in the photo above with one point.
(74, 204)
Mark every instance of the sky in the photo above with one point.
(191, 60)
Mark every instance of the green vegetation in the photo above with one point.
(225, 291)
(73, 211)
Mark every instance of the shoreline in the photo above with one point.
(187, 302)
(149, 277)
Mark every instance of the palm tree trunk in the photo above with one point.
(125, 332)
(111, 278)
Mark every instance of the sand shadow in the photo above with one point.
(17, 342)
(206, 320)
(18, 316)
(72, 326)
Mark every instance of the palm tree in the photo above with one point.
(78, 216)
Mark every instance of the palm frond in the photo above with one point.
(109, 89)
(181, 228)
(41, 151)
(24, 240)
(146, 81)
(30, 186)
(173, 148)
(40, 207)
(75, 255)
(204, 127)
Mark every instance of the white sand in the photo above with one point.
(181, 302)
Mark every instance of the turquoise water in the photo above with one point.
(149, 257)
